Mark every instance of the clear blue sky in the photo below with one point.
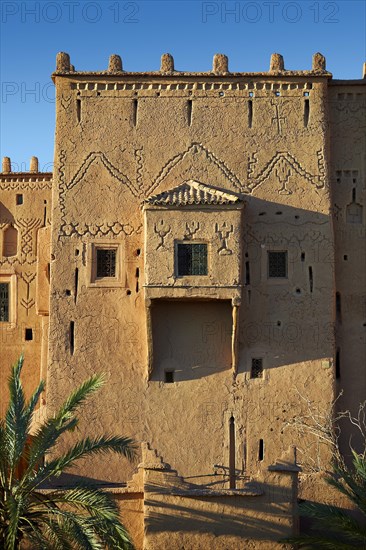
(140, 31)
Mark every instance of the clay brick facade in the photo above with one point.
(206, 250)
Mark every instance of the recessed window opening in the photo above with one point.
(189, 112)
(4, 302)
(303, 256)
(277, 264)
(76, 283)
(261, 450)
(137, 278)
(72, 337)
(232, 480)
(345, 257)
(134, 112)
(19, 199)
(78, 110)
(191, 259)
(257, 368)
(28, 334)
(10, 242)
(311, 279)
(106, 262)
(306, 112)
(250, 113)
(338, 364)
(338, 304)
(169, 376)
(247, 273)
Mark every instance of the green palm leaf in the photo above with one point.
(85, 518)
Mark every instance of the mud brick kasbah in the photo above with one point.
(201, 240)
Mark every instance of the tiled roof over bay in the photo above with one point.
(193, 192)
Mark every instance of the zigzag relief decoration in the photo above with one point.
(18, 185)
(95, 230)
(113, 171)
(67, 228)
(193, 149)
(283, 164)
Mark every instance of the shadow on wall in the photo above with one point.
(287, 309)
(266, 516)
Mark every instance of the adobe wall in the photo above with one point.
(121, 137)
(25, 208)
(348, 169)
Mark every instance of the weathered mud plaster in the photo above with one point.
(206, 249)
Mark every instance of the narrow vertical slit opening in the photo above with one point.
(306, 112)
(76, 283)
(354, 194)
(261, 450)
(338, 305)
(303, 256)
(45, 214)
(247, 273)
(232, 453)
(338, 364)
(78, 109)
(189, 112)
(134, 112)
(137, 278)
(250, 113)
(72, 337)
(311, 279)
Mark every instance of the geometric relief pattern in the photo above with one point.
(97, 229)
(283, 165)
(29, 226)
(113, 171)
(195, 149)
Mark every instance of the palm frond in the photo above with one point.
(80, 395)
(83, 518)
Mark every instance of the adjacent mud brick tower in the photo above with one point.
(207, 253)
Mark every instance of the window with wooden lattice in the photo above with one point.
(191, 259)
(277, 264)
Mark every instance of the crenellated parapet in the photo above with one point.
(220, 67)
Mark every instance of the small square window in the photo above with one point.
(28, 334)
(169, 376)
(191, 259)
(277, 264)
(257, 368)
(4, 302)
(106, 262)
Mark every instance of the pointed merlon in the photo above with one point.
(277, 63)
(62, 62)
(33, 164)
(318, 62)
(115, 63)
(6, 165)
(167, 63)
(220, 64)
